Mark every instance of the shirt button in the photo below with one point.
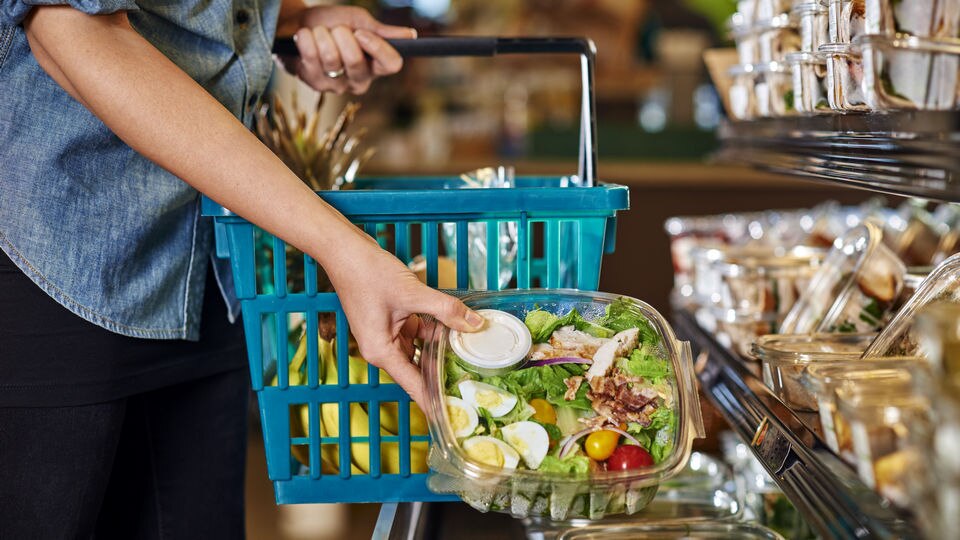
(243, 17)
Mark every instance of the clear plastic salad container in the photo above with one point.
(777, 38)
(754, 279)
(743, 101)
(774, 90)
(910, 73)
(520, 434)
(854, 288)
(809, 78)
(938, 334)
(823, 381)
(785, 357)
(925, 18)
(709, 530)
(938, 498)
(844, 77)
(881, 418)
(900, 337)
(814, 30)
(913, 234)
(846, 19)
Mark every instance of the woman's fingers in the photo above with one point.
(384, 59)
(354, 61)
(319, 57)
(448, 310)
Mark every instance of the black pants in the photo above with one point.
(164, 464)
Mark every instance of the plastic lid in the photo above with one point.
(804, 348)
(503, 342)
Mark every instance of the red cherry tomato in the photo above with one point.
(627, 457)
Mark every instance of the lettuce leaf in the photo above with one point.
(572, 464)
(455, 374)
(645, 362)
(657, 438)
(623, 314)
(542, 324)
(544, 382)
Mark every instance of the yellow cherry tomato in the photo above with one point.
(545, 413)
(600, 444)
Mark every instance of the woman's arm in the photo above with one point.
(162, 113)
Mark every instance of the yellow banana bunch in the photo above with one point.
(358, 417)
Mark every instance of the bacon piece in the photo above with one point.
(573, 385)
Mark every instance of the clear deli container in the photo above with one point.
(823, 381)
(854, 288)
(785, 357)
(924, 18)
(709, 530)
(812, 20)
(881, 418)
(846, 19)
(774, 90)
(754, 279)
(809, 77)
(777, 37)
(938, 499)
(938, 333)
(910, 73)
(900, 337)
(844, 82)
(525, 492)
(913, 233)
(738, 329)
(743, 102)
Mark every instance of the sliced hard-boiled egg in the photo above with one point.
(529, 439)
(498, 402)
(491, 451)
(463, 417)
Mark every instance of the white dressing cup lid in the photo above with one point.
(504, 341)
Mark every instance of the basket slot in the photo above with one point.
(403, 411)
(313, 349)
(431, 247)
(316, 464)
(373, 411)
(463, 261)
(283, 362)
(279, 268)
(310, 275)
(551, 241)
(523, 252)
(493, 255)
(402, 240)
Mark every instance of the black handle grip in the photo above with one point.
(468, 46)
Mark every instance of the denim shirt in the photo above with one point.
(109, 234)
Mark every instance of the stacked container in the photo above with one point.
(765, 33)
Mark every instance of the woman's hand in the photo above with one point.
(342, 48)
(381, 298)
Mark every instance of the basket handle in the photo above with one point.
(493, 46)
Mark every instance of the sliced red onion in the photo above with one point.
(572, 440)
(625, 434)
(561, 360)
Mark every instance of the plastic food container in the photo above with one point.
(881, 418)
(785, 358)
(939, 515)
(719, 530)
(814, 30)
(910, 73)
(687, 233)
(900, 336)
(823, 381)
(777, 37)
(846, 19)
(913, 234)
(754, 279)
(853, 290)
(738, 329)
(746, 39)
(809, 78)
(924, 18)
(938, 333)
(525, 492)
(844, 77)
(774, 90)
(742, 96)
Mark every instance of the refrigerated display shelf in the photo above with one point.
(906, 153)
(825, 490)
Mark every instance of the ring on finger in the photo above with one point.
(335, 74)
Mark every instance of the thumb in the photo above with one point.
(450, 311)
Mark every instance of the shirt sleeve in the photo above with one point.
(13, 12)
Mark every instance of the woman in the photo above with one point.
(122, 388)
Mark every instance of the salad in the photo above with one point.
(591, 396)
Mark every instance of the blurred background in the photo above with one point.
(657, 113)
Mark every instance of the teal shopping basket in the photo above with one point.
(352, 437)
